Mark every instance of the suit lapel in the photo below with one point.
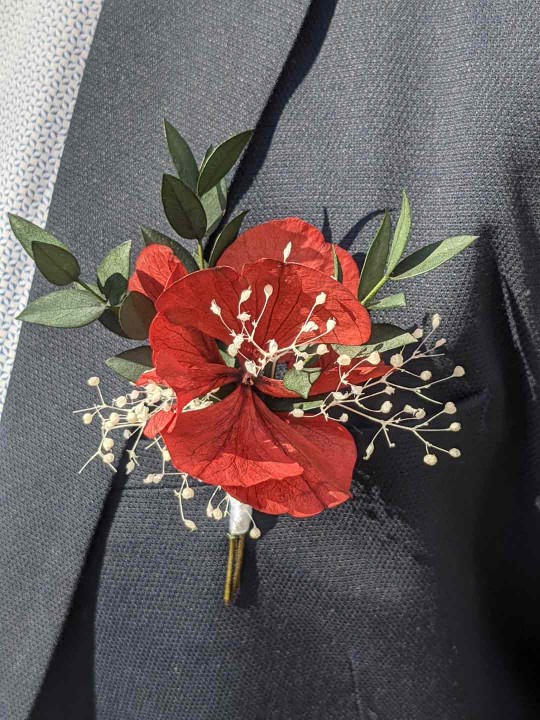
(210, 69)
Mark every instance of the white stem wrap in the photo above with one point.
(239, 517)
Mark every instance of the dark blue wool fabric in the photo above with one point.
(417, 600)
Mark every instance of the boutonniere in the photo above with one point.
(261, 347)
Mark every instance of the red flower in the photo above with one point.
(272, 461)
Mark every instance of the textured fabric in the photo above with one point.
(44, 47)
(418, 599)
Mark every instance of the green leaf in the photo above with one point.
(113, 273)
(373, 270)
(338, 270)
(28, 233)
(183, 208)
(221, 160)
(214, 203)
(384, 336)
(431, 256)
(64, 309)
(227, 359)
(110, 320)
(300, 381)
(136, 314)
(182, 157)
(132, 363)
(226, 237)
(401, 234)
(154, 237)
(388, 303)
(55, 263)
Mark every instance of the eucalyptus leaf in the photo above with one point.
(388, 303)
(401, 234)
(373, 270)
(55, 263)
(64, 309)
(132, 363)
(182, 157)
(136, 314)
(28, 233)
(183, 208)
(113, 273)
(384, 336)
(338, 270)
(431, 256)
(300, 381)
(220, 161)
(214, 203)
(226, 237)
(154, 237)
(110, 320)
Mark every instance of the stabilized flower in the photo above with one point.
(270, 310)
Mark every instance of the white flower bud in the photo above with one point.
(93, 381)
(396, 360)
(409, 410)
(455, 427)
(418, 333)
(108, 458)
(459, 371)
(87, 418)
(420, 414)
(299, 365)
(440, 342)
(130, 467)
(389, 390)
(166, 455)
(455, 452)
(209, 510)
(374, 358)
(330, 324)
(126, 434)
(310, 327)
(430, 459)
(343, 360)
(214, 307)
(435, 321)
(107, 444)
(273, 347)
(217, 514)
(320, 299)
(450, 408)
(134, 394)
(287, 251)
(343, 417)
(426, 375)
(369, 451)
(321, 349)
(297, 412)
(245, 295)
(251, 368)
(244, 317)
(131, 417)
(238, 341)
(268, 290)
(386, 407)
(190, 525)
(232, 350)
(255, 533)
(188, 493)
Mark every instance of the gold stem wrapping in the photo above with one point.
(228, 589)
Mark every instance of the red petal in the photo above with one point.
(308, 247)
(295, 288)
(188, 361)
(153, 270)
(159, 422)
(328, 454)
(299, 466)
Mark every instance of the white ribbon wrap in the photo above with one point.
(239, 517)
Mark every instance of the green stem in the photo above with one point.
(200, 254)
(375, 290)
(87, 287)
